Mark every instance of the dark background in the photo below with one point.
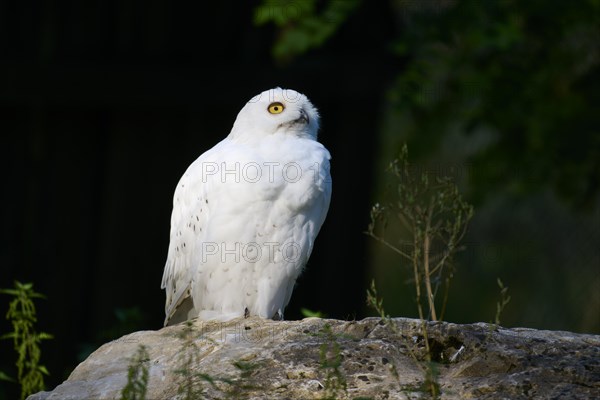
(104, 104)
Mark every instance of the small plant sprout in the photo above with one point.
(22, 315)
(428, 367)
(504, 300)
(137, 376)
(195, 384)
(190, 384)
(331, 363)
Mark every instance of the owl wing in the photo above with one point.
(189, 219)
(324, 187)
(320, 198)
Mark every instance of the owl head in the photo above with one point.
(277, 111)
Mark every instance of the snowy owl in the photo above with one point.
(246, 214)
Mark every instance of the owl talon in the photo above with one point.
(246, 312)
(278, 316)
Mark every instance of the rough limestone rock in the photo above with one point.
(318, 358)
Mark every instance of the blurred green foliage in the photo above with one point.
(525, 74)
(303, 24)
(128, 319)
(506, 94)
(308, 313)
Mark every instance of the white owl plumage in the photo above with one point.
(246, 214)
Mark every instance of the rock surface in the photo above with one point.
(318, 358)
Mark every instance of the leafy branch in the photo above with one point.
(435, 218)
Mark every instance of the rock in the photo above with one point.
(318, 358)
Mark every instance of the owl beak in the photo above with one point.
(303, 117)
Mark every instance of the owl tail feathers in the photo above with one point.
(219, 316)
(184, 311)
(179, 306)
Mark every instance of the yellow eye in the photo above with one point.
(276, 108)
